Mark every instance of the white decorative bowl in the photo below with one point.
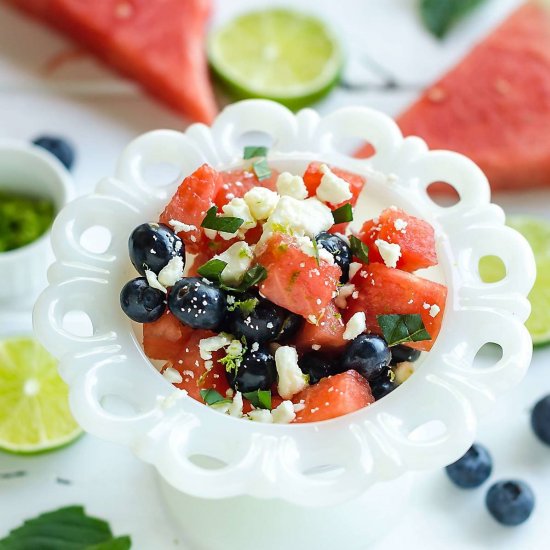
(428, 422)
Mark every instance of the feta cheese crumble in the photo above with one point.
(238, 208)
(284, 413)
(153, 281)
(390, 252)
(332, 189)
(236, 407)
(344, 293)
(172, 375)
(400, 225)
(261, 415)
(238, 258)
(355, 326)
(181, 227)
(354, 267)
(172, 272)
(214, 343)
(292, 186)
(434, 310)
(261, 202)
(291, 378)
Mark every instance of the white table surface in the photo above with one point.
(100, 113)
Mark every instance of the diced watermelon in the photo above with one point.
(416, 239)
(294, 280)
(165, 338)
(328, 333)
(159, 44)
(334, 396)
(189, 205)
(237, 182)
(383, 290)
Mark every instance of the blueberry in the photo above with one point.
(290, 327)
(142, 303)
(257, 371)
(540, 419)
(339, 250)
(510, 502)
(383, 385)
(152, 246)
(368, 354)
(58, 147)
(317, 365)
(261, 324)
(197, 303)
(401, 353)
(472, 469)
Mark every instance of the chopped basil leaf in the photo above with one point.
(359, 249)
(212, 397)
(227, 224)
(261, 169)
(398, 329)
(252, 277)
(261, 399)
(343, 214)
(246, 306)
(212, 269)
(253, 151)
(439, 16)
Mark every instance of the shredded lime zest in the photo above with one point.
(234, 355)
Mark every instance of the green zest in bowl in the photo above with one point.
(23, 219)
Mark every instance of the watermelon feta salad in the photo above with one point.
(259, 301)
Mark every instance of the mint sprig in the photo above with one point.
(439, 16)
(227, 224)
(212, 269)
(398, 329)
(212, 397)
(261, 169)
(359, 249)
(253, 276)
(260, 399)
(343, 214)
(253, 151)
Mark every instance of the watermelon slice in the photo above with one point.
(328, 333)
(164, 339)
(159, 44)
(494, 106)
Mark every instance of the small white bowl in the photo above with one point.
(28, 169)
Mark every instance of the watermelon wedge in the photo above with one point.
(494, 106)
(159, 44)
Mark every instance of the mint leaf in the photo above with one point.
(252, 277)
(439, 16)
(359, 249)
(343, 214)
(261, 169)
(212, 270)
(68, 528)
(253, 151)
(398, 329)
(227, 224)
(261, 399)
(212, 397)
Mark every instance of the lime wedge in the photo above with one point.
(537, 232)
(34, 407)
(276, 54)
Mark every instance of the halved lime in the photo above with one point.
(276, 54)
(537, 232)
(34, 407)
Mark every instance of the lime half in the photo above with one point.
(34, 407)
(276, 54)
(537, 232)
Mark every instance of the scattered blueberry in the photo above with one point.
(510, 502)
(152, 246)
(401, 353)
(540, 419)
(197, 303)
(472, 469)
(256, 372)
(262, 324)
(317, 365)
(383, 385)
(58, 147)
(290, 327)
(142, 303)
(339, 249)
(368, 354)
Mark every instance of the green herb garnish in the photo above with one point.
(260, 399)
(253, 276)
(402, 328)
(212, 269)
(439, 16)
(343, 214)
(246, 306)
(234, 354)
(227, 224)
(253, 151)
(261, 169)
(359, 249)
(212, 397)
(67, 527)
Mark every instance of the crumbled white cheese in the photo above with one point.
(172, 272)
(211, 233)
(236, 407)
(306, 245)
(172, 375)
(261, 202)
(326, 256)
(255, 346)
(284, 413)
(403, 371)
(292, 186)
(345, 238)
(332, 189)
(355, 326)
(261, 415)
(238, 208)
(299, 407)
(315, 347)
(214, 343)
(434, 310)
(390, 252)
(153, 282)
(291, 378)
(238, 258)
(354, 267)
(400, 225)
(181, 227)
(425, 305)
(344, 293)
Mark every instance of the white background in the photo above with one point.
(100, 113)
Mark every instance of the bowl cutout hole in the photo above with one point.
(428, 431)
(443, 194)
(353, 146)
(487, 356)
(96, 239)
(161, 174)
(118, 405)
(491, 269)
(254, 137)
(78, 323)
(207, 462)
